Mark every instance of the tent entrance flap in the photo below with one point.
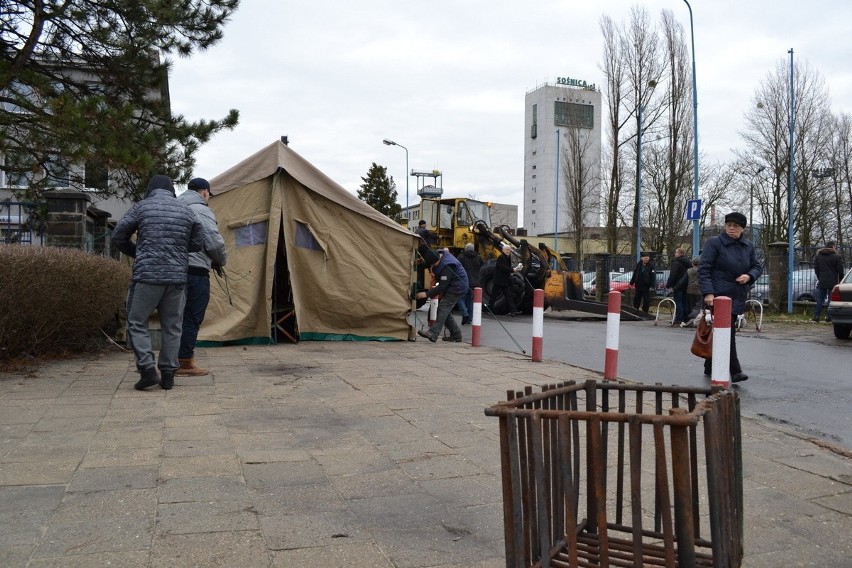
(284, 327)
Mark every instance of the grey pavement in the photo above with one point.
(343, 454)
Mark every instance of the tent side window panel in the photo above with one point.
(251, 234)
(305, 238)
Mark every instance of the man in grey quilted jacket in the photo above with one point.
(166, 232)
(214, 256)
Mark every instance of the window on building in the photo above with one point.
(534, 126)
(533, 200)
(96, 176)
(573, 115)
(56, 173)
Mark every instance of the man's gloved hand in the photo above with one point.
(218, 269)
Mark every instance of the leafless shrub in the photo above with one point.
(53, 300)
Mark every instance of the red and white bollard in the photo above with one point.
(721, 373)
(433, 311)
(476, 318)
(538, 324)
(613, 323)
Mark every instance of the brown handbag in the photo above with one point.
(702, 343)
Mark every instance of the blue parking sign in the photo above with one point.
(693, 210)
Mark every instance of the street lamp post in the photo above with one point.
(638, 215)
(556, 203)
(639, 186)
(695, 222)
(387, 142)
(790, 232)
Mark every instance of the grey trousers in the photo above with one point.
(168, 300)
(445, 316)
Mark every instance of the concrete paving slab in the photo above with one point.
(329, 454)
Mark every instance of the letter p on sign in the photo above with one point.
(693, 210)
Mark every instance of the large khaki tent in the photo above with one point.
(306, 258)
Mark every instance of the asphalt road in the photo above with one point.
(799, 375)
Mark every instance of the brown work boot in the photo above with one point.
(189, 369)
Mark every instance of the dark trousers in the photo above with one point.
(642, 298)
(823, 299)
(197, 298)
(681, 305)
(506, 290)
(734, 367)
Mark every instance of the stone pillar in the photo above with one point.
(66, 218)
(602, 262)
(776, 267)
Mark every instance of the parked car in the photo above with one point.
(622, 282)
(804, 287)
(840, 308)
(589, 283)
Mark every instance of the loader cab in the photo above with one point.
(452, 218)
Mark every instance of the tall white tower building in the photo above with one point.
(567, 116)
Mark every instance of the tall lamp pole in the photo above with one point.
(387, 142)
(639, 186)
(790, 232)
(556, 203)
(695, 222)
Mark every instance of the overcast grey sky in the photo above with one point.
(448, 79)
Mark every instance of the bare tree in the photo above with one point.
(838, 225)
(767, 139)
(668, 170)
(579, 174)
(645, 69)
(615, 72)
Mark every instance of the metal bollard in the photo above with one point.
(613, 324)
(476, 319)
(538, 324)
(433, 311)
(721, 374)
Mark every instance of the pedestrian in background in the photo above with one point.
(828, 266)
(728, 266)
(502, 281)
(166, 232)
(472, 263)
(693, 294)
(677, 282)
(213, 256)
(452, 285)
(644, 280)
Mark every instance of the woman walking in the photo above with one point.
(728, 265)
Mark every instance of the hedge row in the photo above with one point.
(54, 300)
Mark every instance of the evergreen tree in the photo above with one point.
(85, 82)
(379, 192)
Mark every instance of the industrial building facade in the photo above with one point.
(562, 120)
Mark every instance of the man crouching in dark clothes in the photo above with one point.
(452, 285)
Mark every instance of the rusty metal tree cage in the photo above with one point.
(662, 478)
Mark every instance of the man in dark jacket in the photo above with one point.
(166, 231)
(644, 280)
(677, 282)
(502, 281)
(213, 256)
(452, 285)
(828, 266)
(472, 263)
